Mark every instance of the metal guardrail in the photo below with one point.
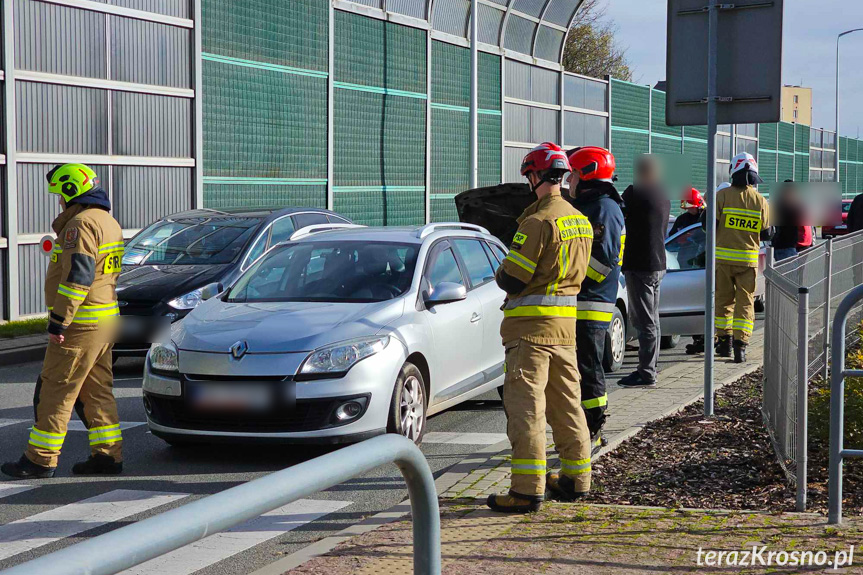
(131, 545)
(803, 292)
(838, 453)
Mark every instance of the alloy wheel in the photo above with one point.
(412, 409)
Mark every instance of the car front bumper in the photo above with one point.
(312, 420)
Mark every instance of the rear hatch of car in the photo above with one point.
(495, 208)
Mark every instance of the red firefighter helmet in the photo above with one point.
(592, 163)
(545, 157)
(691, 199)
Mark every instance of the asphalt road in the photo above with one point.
(158, 477)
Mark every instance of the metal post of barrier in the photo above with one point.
(837, 406)
(828, 288)
(802, 394)
(132, 545)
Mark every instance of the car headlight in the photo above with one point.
(164, 357)
(194, 298)
(338, 358)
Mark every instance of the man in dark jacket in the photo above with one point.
(593, 194)
(646, 211)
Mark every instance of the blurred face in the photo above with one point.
(573, 180)
(693, 211)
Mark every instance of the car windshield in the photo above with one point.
(191, 241)
(685, 251)
(329, 271)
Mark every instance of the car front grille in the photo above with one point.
(308, 415)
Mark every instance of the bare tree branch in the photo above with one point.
(591, 48)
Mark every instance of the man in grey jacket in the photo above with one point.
(646, 210)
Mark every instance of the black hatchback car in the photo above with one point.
(179, 261)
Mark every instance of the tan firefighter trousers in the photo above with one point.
(542, 381)
(79, 368)
(735, 301)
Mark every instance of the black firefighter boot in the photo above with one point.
(99, 464)
(26, 469)
(514, 502)
(562, 488)
(697, 345)
(723, 346)
(739, 351)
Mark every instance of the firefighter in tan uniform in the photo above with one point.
(743, 220)
(82, 304)
(542, 275)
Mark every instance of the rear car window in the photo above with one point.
(191, 241)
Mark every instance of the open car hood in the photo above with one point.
(495, 208)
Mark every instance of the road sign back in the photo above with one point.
(749, 62)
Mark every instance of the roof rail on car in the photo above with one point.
(431, 228)
(317, 228)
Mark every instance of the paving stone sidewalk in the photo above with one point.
(629, 410)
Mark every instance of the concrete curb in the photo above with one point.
(23, 349)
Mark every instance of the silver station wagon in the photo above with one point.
(340, 333)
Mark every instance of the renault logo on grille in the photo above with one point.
(239, 349)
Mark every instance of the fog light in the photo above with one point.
(148, 407)
(348, 410)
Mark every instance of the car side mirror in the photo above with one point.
(211, 290)
(446, 292)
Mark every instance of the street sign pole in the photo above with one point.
(474, 104)
(710, 262)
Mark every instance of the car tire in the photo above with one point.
(615, 343)
(669, 341)
(759, 305)
(409, 405)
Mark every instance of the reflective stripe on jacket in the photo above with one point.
(741, 215)
(549, 254)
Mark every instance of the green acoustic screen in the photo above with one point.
(264, 195)
(263, 123)
(450, 160)
(489, 142)
(658, 118)
(630, 106)
(380, 121)
(696, 156)
(488, 74)
(450, 74)
(785, 164)
(626, 147)
(767, 136)
(285, 32)
(375, 53)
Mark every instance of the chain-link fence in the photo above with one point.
(801, 294)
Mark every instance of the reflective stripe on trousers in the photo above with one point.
(574, 466)
(528, 466)
(46, 439)
(105, 434)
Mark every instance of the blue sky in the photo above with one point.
(809, 56)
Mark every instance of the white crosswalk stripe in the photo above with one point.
(214, 548)
(78, 425)
(455, 438)
(55, 524)
(5, 422)
(6, 490)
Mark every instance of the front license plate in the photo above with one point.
(237, 397)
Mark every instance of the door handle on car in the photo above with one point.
(475, 317)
